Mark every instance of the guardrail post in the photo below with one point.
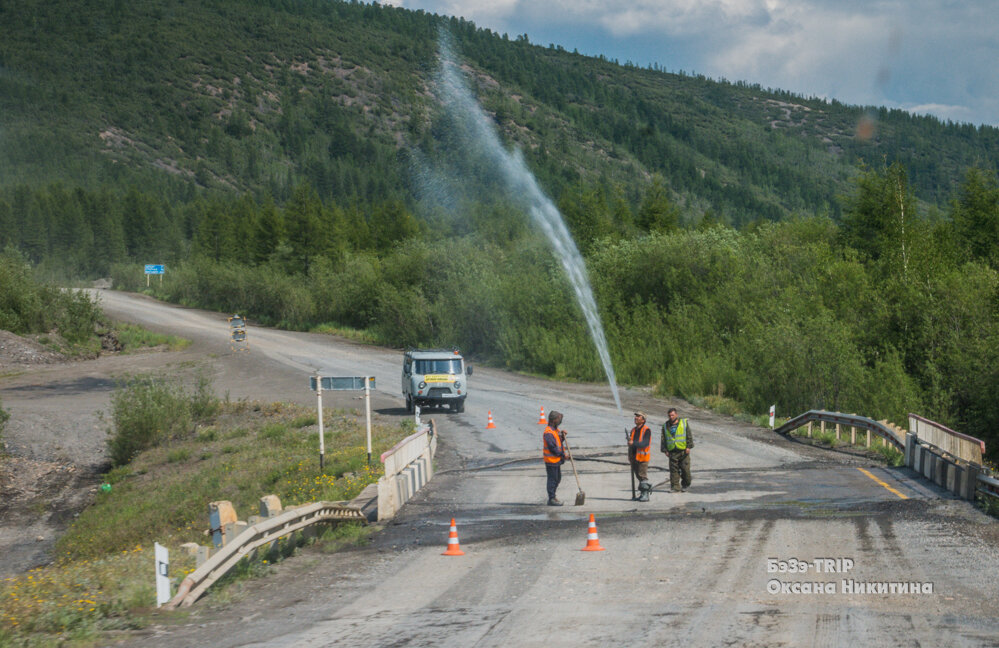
(853, 435)
(837, 431)
(868, 438)
(910, 447)
(969, 482)
(822, 427)
(939, 471)
(809, 429)
(220, 514)
(952, 477)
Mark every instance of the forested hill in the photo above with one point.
(293, 161)
(176, 97)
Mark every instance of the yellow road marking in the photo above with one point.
(882, 483)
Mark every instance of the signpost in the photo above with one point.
(319, 383)
(162, 574)
(154, 269)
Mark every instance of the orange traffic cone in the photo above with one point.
(453, 548)
(490, 425)
(543, 420)
(592, 541)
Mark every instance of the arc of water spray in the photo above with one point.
(523, 187)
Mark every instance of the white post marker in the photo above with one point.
(322, 435)
(367, 412)
(773, 409)
(162, 574)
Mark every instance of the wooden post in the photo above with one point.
(853, 435)
(822, 427)
(837, 431)
(809, 429)
(868, 438)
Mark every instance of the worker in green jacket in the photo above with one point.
(677, 442)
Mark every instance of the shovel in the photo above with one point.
(580, 496)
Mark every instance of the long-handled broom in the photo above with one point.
(627, 439)
(580, 496)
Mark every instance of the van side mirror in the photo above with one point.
(468, 370)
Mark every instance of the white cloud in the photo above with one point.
(810, 49)
(943, 111)
(938, 56)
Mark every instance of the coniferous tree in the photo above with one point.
(657, 213)
(976, 216)
(268, 232)
(304, 227)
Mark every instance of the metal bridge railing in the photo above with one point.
(879, 428)
(255, 536)
(937, 452)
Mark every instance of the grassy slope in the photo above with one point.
(101, 580)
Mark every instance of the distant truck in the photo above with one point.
(435, 377)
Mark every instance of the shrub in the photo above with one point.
(145, 410)
(30, 306)
(891, 455)
(204, 403)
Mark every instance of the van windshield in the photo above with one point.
(449, 366)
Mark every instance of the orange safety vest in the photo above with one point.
(549, 457)
(646, 454)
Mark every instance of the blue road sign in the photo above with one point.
(154, 268)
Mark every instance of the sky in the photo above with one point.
(937, 57)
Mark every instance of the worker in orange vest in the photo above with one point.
(639, 454)
(554, 454)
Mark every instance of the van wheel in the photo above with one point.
(458, 407)
(409, 404)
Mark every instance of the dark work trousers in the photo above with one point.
(639, 468)
(679, 469)
(554, 478)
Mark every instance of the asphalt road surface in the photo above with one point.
(691, 569)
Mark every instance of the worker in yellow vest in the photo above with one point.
(639, 455)
(677, 442)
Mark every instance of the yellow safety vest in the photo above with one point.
(677, 441)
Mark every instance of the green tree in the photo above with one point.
(657, 213)
(880, 218)
(588, 214)
(109, 238)
(215, 236)
(392, 223)
(975, 214)
(304, 227)
(268, 231)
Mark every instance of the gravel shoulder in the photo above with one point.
(55, 438)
